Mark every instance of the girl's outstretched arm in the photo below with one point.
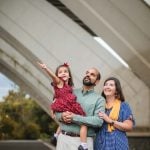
(49, 72)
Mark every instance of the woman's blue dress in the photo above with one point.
(117, 139)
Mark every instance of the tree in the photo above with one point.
(23, 118)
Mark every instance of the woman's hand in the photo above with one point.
(105, 117)
(126, 125)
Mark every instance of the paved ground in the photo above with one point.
(25, 145)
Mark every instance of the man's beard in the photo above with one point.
(88, 82)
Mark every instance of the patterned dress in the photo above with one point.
(65, 100)
(117, 139)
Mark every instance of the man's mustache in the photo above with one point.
(87, 77)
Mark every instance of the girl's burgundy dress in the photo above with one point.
(65, 100)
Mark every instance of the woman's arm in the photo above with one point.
(126, 125)
(50, 73)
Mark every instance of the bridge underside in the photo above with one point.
(34, 31)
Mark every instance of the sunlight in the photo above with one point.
(110, 50)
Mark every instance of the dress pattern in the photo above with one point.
(117, 139)
(65, 100)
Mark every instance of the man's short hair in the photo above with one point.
(98, 76)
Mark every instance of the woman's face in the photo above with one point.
(109, 88)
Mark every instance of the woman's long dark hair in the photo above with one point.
(70, 82)
(119, 94)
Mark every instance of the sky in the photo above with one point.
(5, 85)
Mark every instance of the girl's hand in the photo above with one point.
(42, 65)
(104, 117)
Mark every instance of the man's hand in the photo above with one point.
(67, 116)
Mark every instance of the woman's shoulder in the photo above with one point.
(125, 105)
(126, 112)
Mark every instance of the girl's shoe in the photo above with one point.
(53, 140)
(81, 148)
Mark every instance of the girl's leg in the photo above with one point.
(55, 136)
(52, 114)
(83, 137)
(58, 130)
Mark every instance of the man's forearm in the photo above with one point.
(93, 121)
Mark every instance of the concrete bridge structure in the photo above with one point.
(40, 30)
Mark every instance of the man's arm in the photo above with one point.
(94, 120)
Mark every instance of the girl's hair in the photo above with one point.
(119, 93)
(70, 82)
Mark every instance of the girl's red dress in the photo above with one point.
(65, 100)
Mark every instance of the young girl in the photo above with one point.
(64, 99)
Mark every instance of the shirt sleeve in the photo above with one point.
(127, 113)
(94, 120)
(58, 116)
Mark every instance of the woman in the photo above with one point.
(118, 118)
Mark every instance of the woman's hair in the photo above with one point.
(119, 94)
(70, 82)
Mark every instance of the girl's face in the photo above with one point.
(109, 88)
(63, 73)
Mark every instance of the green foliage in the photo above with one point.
(31, 131)
(22, 118)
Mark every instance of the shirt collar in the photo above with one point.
(87, 91)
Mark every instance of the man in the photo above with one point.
(92, 103)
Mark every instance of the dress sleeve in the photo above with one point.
(126, 113)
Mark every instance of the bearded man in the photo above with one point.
(92, 103)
